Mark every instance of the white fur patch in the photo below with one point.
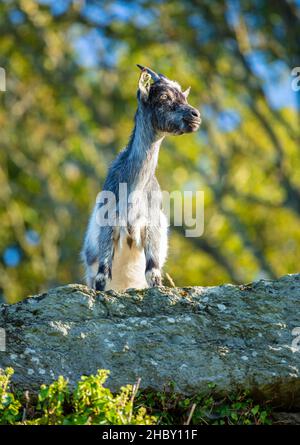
(128, 268)
(91, 272)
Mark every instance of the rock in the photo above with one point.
(286, 418)
(235, 337)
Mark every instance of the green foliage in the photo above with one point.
(52, 401)
(9, 406)
(238, 409)
(90, 403)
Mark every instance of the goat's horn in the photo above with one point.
(153, 74)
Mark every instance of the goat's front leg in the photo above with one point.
(106, 249)
(156, 246)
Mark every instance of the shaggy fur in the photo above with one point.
(131, 251)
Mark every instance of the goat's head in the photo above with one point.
(167, 104)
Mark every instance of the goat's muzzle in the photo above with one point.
(192, 119)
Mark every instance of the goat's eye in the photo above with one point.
(164, 96)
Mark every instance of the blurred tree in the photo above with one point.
(69, 106)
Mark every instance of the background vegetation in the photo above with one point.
(90, 403)
(69, 106)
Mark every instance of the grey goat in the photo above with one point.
(129, 250)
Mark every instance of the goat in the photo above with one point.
(130, 251)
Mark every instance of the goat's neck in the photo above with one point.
(143, 149)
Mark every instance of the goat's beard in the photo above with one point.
(177, 132)
(178, 127)
(185, 127)
(191, 128)
(173, 129)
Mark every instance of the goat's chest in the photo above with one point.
(128, 267)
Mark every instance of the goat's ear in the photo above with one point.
(186, 92)
(144, 84)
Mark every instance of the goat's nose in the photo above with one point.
(195, 113)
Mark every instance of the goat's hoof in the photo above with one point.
(100, 281)
(153, 278)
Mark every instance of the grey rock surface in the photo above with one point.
(236, 337)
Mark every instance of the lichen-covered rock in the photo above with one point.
(231, 336)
